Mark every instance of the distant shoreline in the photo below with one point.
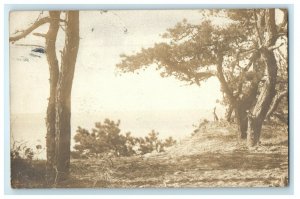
(178, 124)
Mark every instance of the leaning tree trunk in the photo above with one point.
(268, 91)
(54, 72)
(264, 100)
(63, 98)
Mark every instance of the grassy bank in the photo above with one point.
(211, 157)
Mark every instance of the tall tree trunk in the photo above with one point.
(242, 121)
(243, 105)
(58, 135)
(54, 72)
(268, 90)
(63, 98)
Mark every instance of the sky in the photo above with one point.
(97, 87)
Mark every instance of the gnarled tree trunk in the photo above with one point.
(268, 91)
(264, 100)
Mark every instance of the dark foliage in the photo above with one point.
(106, 138)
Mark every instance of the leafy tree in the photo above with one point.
(241, 54)
(61, 79)
(268, 34)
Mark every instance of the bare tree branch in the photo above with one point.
(275, 47)
(62, 27)
(32, 45)
(39, 34)
(281, 34)
(26, 32)
(276, 102)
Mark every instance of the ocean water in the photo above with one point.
(30, 129)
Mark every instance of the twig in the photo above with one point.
(39, 16)
(62, 27)
(26, 32)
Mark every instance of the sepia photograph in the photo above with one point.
(186, 98)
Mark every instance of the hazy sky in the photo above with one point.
(96, 85)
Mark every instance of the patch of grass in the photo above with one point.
(28, 174)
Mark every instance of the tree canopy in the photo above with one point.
(243, 53)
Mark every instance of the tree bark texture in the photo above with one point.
(63, 95)
(54, 72)
(242, 121)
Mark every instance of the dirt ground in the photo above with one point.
(210, 158)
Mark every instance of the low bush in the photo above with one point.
(106, 137)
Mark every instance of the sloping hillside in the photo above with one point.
(210, 158)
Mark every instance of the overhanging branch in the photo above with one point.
(276, 102)
(26, 32)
